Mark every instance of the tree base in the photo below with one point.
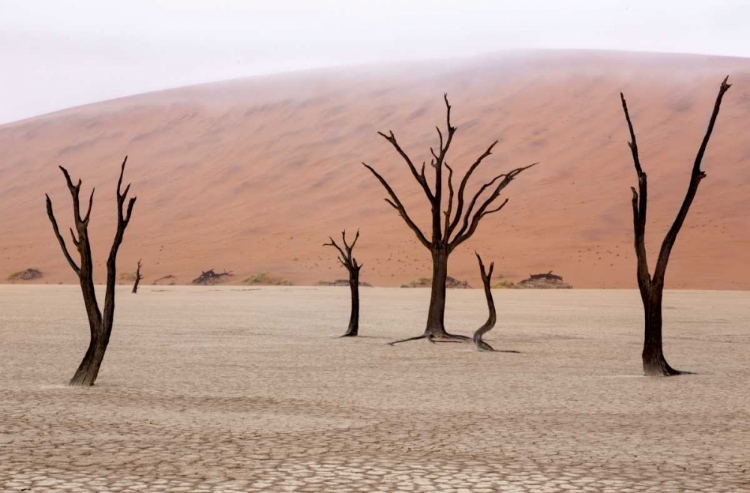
(88, 370)
(433, 338)
(439, 334)
(82, 380)
(658, 367)
(483, 346)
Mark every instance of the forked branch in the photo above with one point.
(695, 178)
(396, 204)
(443, 228)
(420, 177)
(345, 254)
(60, 239)
(471, 222)
(640, 197)
(492, 319)
(640, 205)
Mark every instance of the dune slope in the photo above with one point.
(253, 175)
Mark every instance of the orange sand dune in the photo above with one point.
(253, 175)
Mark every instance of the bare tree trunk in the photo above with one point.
(652, 286)
(138, 278)
(654, 363)
(100, 324)
(436, 312)
(492, 319)
(353, 329)
(88, 370)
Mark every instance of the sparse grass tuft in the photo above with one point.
(504, 284)
(265, 279)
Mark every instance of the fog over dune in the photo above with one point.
(62, 53)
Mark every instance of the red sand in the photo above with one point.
(253, 175)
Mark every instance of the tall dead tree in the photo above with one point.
(138, 278)
(351, 265)
(492, 319)
(652, 286)
(100, 323)
(452, 226)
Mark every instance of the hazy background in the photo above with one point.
(60, 53)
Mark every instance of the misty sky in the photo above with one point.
(60, 53)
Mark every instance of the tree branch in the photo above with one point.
(60, 239)
(341, 251)
(349, 248)
(91, 205)
(462, 188)
(633, 144)
(76, 241)
(346, 258)
(640, 204)
(496, 209)
(484, 273)
(695, 178)
(122, 223)
(466, 233)
(122, 173)
(396, 204)
(74, 194)
(417, 176)
(450, 201)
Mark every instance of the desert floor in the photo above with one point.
(237, 389)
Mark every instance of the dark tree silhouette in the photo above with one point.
(652, 287)
(481, 331)
(348, 261)
(100, 323)
(138, 278)
(210, 277)
(452, 227)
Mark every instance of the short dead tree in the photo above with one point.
(450, 227)
(100, 323)
(492, 319)
(138, 278)
(652, 287)
(209, 277)
(351, 265)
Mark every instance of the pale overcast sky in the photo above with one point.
(60, 53)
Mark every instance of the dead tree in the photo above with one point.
(348, 261)
(481, 331)
(209, 277)
(100, 323)
(452, 226)
(652, 286)
(549, 276)
(138, 278)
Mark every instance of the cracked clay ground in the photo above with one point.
(232, 389)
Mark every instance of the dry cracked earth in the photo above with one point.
(234, 390)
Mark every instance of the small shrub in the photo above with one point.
(26, 275)
(265, 279)
(504, 284)
(426, 282)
